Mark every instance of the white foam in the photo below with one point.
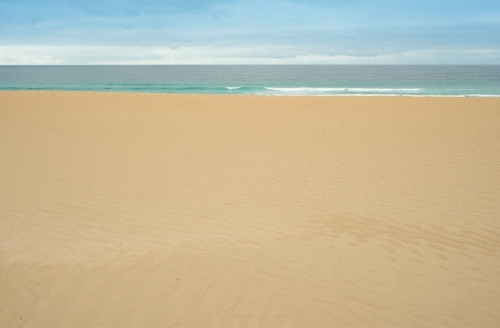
(484, 96)
(233, 88)
(409, 90)
(306, 90)
(378, 95)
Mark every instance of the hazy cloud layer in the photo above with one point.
(314, 31)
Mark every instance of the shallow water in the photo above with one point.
(478, 81)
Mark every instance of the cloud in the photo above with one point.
(249, 31)
(100, 55)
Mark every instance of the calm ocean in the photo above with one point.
(473, 81)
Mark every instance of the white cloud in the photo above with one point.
(83, 55)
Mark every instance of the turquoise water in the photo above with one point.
(472, 81)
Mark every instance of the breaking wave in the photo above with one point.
(308, 90)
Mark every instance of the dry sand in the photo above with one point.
(190, 210)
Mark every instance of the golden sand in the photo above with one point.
(194, 211)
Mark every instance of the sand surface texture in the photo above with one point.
(198, 211)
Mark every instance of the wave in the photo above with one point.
(323, 90)
(409, 90)
(233, 88)
(384, 95)
(304, 89)
(483, 96)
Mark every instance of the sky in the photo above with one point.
(249, 32)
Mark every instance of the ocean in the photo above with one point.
(315, 80)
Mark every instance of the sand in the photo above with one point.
(198, 211)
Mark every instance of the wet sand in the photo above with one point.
(196, 211)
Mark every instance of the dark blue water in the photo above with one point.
(478, 81)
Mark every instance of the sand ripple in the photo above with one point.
(157, 210)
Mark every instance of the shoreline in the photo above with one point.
(259, 95)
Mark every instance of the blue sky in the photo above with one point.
(250, 32)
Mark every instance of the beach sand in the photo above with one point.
(207, 210)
